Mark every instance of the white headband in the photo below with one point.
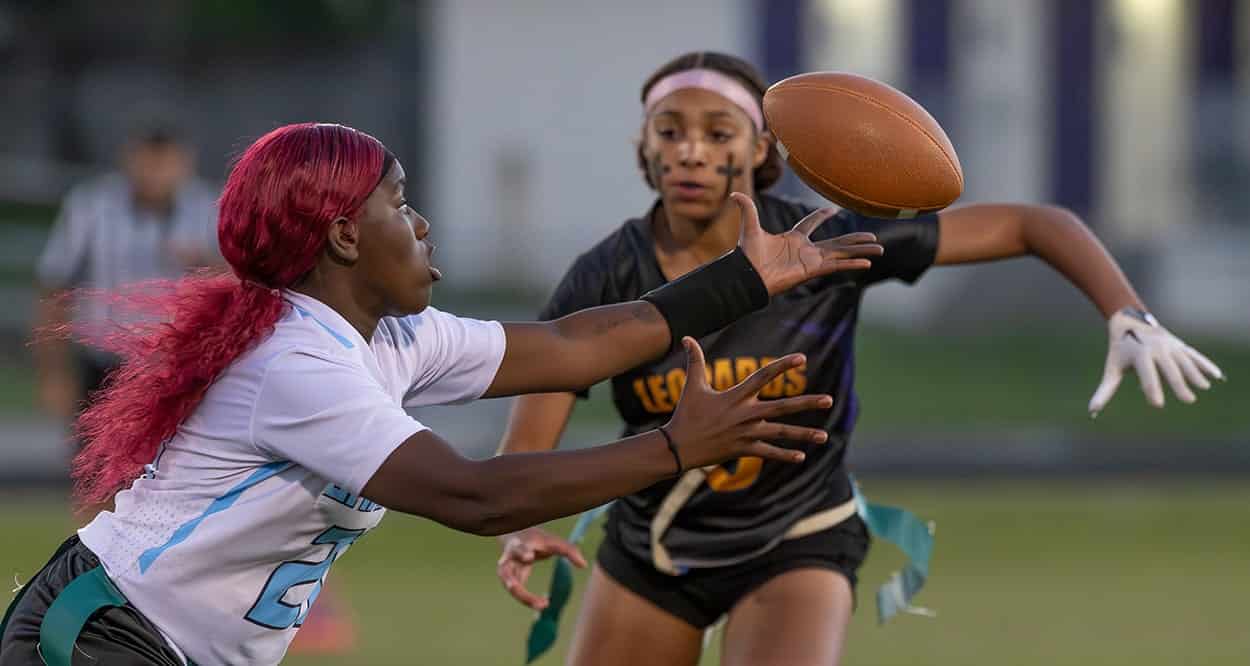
(711, 80)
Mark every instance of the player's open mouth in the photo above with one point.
(688, 188)
(435, 274)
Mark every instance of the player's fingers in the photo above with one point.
(750, 216)
(1205, 364)
(854, 238)
(837, 250)
(816, 218)
(522, 552)
(1172, 373)
(760, 378)
(556, 546)
(695, 364)
(518, 592)
(1192, 374)
(771, 409)
(507, 572)
(769, 452)
(1148, 375)
(513, 577)
(1111, 377)
(516, 550)
(830, 263)
(773, 431)
(523, 575)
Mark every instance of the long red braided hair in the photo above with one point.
(274, 212)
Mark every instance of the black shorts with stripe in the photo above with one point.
(701, 596)
(119, 635)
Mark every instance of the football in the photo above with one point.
(863, 144)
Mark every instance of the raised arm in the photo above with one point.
(985, 232)
(586, 347)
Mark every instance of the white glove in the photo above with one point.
(1139, 343)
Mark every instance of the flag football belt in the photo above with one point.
(690, 482)
(89, 592)
(898, 526)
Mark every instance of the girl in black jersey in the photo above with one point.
(774, 547)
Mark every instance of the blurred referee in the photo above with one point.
(152, 219)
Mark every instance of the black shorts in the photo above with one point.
(119, 635)
(702, 596)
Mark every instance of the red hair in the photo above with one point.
(274, 213)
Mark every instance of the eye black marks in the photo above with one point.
(730, 171)
(656, 168)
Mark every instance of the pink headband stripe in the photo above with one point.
(711, 80)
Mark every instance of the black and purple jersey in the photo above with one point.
(746, 506)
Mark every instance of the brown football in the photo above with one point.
(863, 145)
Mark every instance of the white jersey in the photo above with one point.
(226, 540)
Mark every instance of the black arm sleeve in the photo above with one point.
(910, 245)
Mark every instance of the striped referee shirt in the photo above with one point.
(101, 240)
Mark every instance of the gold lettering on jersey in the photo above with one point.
(722, 374)
(659, 393)
(663, 401)
(774, 388)
(796, 381)
(744, 366)
(640, 390)
(675, 381)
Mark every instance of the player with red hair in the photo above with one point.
(256, 427)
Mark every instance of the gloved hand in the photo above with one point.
(1139, 343)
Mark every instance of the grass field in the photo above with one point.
(1136, 573)
(989, 383)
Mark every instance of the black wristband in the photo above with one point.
(672, 449)
(710, 297)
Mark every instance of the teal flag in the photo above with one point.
(545, 629)
(898, 526)
(912, 536)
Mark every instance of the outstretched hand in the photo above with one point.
(521, 551)
(711, 427)
(1148, 349)
(789, 259)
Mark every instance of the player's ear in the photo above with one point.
(763, 141)
(343, 241)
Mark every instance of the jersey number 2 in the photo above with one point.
(270, 610)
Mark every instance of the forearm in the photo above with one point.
(1058, 237)
(537, 422)
(508, 493)
(533, 488)
(609, 340)
(579, 350)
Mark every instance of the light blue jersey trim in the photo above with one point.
(337, 336)
(220, 504)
